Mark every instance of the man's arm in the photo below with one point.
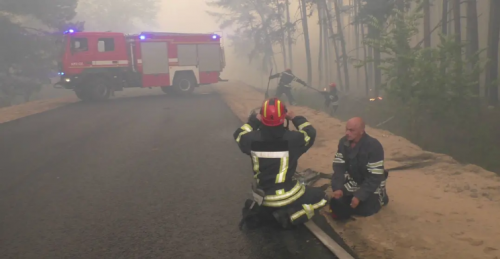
(375, 168)
(339, 168)
(241, 134)
(275, 76)
(308, 132)
(298, 80)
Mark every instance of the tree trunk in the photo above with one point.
(458, 32)
(473, 39)
(371, 65)
(377, 77)
(282, 38)
(403, 48)
(326, 46)
(427, 24)
(327, 8)
(320, 55)
(356, 36)
(444, 31)
(307, 42)
(342, 43)
(289, 34)
(492, 53)
(367, 76)
(444, 18)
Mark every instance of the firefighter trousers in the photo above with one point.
(281, 89)
(295, 211)
(303, 209)
(342, 210)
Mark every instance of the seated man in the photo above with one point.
(359, 177)
(275, 152)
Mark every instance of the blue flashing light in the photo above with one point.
(142, 37)
(71, 31)
(215, 36)
(61, 73)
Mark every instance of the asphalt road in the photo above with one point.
(141, 177)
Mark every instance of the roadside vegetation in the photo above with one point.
(429, 80)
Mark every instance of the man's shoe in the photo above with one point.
(283, 219)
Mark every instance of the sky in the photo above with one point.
(186, 16)
(191, 17)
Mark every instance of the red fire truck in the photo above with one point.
(95, 64)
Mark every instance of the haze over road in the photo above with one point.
(142, 177)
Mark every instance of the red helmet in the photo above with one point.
(273, 112)
(333, 85)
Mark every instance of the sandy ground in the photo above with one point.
(444, 210)
(30, 108)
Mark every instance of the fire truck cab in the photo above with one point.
(95, 64)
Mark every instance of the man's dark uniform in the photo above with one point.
(359, 172)
(284, 87)
(332, 101)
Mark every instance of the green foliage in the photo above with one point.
(428, 83)
(27, 55)
(51, 12)
(117, 15)
(256, 25)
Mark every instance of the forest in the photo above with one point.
(426, 70)
(30, 33)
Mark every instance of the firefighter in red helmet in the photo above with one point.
(332, 101)
(274, 152)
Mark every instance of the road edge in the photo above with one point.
(24, 110)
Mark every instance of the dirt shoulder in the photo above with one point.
(30, 108)
(444, 210)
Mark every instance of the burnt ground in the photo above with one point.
(142, 177)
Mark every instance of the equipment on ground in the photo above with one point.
(95, 64)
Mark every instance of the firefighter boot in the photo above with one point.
(251, 215)
(283, 218)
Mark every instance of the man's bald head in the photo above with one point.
(354, 129)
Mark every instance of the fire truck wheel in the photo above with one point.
(98, 88)
(184, 82)
(82, 95)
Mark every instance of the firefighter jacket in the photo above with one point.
(359, 170)
(333, 98)
(275, 152)
(286, 78)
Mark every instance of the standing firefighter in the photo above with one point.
(275, 151)
(284, 87)
(332, 100)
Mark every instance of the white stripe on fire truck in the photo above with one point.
(139, 61)
(109, 62)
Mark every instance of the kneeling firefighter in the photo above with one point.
(275, 151)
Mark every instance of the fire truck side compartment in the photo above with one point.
(209, 63)
(187, 55)
(209, 55)
(155, 64)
